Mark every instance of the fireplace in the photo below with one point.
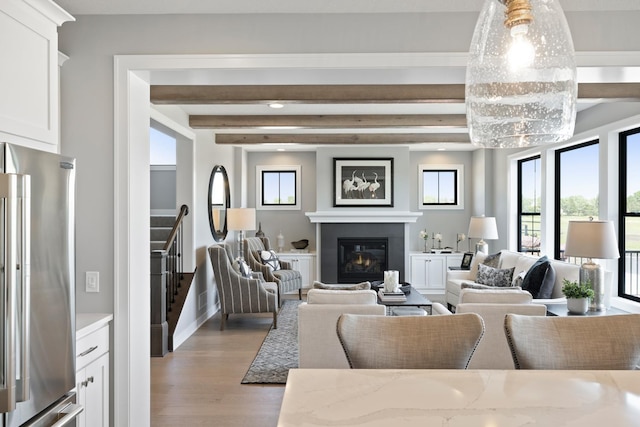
(361, 259)
(376, 247)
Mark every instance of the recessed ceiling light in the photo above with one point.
(280, 149)
(275, 105)
(442, 149)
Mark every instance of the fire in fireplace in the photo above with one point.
(361, 259)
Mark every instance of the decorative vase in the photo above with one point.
(426, 246)
(259, 233)
(578, 305)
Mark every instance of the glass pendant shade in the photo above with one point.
(521, 84)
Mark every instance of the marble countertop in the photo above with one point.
(90, 322)
(460, 398)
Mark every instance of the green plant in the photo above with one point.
(574, 290)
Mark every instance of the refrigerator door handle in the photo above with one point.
(8, 194)
(24, 275)
(70, 413)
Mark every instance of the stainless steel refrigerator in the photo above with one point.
(37, 285)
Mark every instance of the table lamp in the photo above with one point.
(592, 239)
(483, 227)
(241, 219)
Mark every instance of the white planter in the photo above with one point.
(578, 305)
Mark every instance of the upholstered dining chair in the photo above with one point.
(286, 277)
(409, 342)
(574, 342)
(239, 294)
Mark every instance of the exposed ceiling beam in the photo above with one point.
(354, 94)
(328, 121)
(346, 138)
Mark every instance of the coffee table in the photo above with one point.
(414, 299)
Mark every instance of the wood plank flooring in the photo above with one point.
(199, 383)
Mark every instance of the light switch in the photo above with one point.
(92, 281)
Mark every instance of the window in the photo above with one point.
(277, 187)
(440, 187)
(529, 185)
(577, 184)
(629, 224)
(162, 148)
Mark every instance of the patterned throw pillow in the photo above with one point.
(241, 267)
(492, 260)
(270, 259)
(494, 276)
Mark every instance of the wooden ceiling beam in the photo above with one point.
(328, 121)
(338, 139)
(354, 94)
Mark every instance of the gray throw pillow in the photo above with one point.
(492, 260)
(342, 286)
(241, 267)
(494, 276)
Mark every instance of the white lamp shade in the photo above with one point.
(513, 102)
(591, 239)
(241, 219)
(483, 227)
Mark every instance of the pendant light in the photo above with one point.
(521, 84)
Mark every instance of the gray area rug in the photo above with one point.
(279, 351)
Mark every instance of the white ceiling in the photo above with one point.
(123, 7)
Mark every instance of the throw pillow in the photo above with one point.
(492, 260)
(494, 276)
(532, 281)
(342, 286)
(270, 259)
(241, 267)
(519, 278)
(548, 283)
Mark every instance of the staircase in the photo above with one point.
(169, 283)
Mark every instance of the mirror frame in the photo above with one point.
(219, 236)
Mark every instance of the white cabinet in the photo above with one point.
(29, 105)
(428, 272)
(92, 369)
(304, 262)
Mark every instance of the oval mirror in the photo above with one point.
(219, 202)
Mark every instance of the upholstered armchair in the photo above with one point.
(239, 294)
(493, 305)
(287, 279)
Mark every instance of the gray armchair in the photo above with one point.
(239, 294)
(287, 279)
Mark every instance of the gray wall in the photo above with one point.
(163, 189)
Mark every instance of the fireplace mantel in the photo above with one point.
(363, 216)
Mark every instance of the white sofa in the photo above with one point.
(318, 344)
(508, 259)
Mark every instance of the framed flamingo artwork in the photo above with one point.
(362, 182)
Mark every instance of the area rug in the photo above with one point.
(279, 351)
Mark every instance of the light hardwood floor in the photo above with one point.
(199, 383)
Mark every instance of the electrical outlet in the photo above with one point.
(92, 281)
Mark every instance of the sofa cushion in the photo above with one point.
(342, 286)
(325, 296)
(475, 261)
(532, 281)
(494, 276)
(270, 259)
(495, 296)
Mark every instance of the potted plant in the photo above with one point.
(578, 296)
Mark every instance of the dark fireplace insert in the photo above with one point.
(361, 259)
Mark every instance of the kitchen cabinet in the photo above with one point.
(304, 262)
(428, 272)
(29, 84)
(92, 369)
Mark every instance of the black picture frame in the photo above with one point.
(466, 261)
(363, 182)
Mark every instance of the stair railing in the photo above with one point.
(166, 273)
